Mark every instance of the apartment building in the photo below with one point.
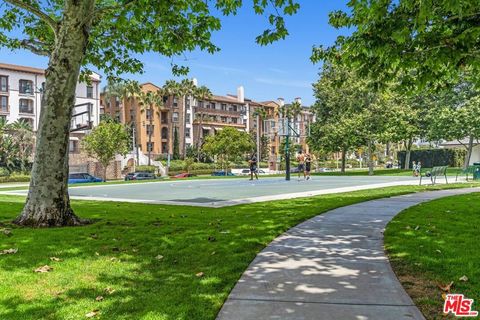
(213, 114)
(21, 89)
(155, 126)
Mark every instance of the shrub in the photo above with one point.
(15, 177)
(434, 157)
(152, 169)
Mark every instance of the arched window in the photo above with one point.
(164, 133)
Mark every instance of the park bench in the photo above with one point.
(469, 170)
(434, 173)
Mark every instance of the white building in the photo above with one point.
(21, 88)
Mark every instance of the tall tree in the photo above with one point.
(176, 145)
(105, 35)
(105, 141)
(201, 93)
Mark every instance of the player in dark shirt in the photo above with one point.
(253, 166)
(308, 165)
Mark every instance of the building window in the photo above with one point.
(25, 86)
(234, 120)
(150, 129)
(224, 106)
(3, 104)
(164, 133)
(234, 108)
(89, 92)
(26, 106)
(150, 146)
(149, 114)
(164, 117)
(175, 117)
(187, 132)
(200, 104)
(187, 118)
(175, 102)
(164, 147)
(3, 83)
(223, 119)
(73, 146)
(213, 105)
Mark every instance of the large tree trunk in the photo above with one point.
(408, 148)
(48, 203)
(469, 152)
(344, 160)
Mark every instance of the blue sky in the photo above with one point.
(282, 69)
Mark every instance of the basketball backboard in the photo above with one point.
(82, 117)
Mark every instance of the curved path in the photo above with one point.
(330, 267)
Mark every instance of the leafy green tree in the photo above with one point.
(105, 141)
(228, 145)
(105, 35)
(16, 146)
(455, 116)
(429, 40)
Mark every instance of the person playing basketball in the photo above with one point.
(308, 165)
(301, 164)
(253, 166)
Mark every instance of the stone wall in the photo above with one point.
(80, 162)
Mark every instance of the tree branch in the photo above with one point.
(32, 45)
(108, 8)
(36, 11)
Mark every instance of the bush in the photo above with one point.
(15, 177)
(4, 172)
(151, 169)
(434, 157)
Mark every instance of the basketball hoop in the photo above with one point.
(82, 117)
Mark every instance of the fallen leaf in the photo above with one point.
(9, 251)
(417, 227)
(113, 259)
(200, 274)
(463, 278)
(94, 236)
(134, 250)
(109, 290)
(7, 232)
(55, 259)
(439, 251)
(159, 257)
(45, 268)
(92, 314)
(214, 253)
(97, 254)
(444, 296)
(447, 287)
(99, 298)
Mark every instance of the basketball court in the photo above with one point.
(228, 192)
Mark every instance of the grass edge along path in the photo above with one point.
(433, 244)
(141, 261)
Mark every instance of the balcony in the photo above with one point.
(221, 124)
(204, 110)
(26, 111)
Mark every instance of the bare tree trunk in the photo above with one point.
(105, 172)
(370, 158)
(344, 159)
(408, 148)
(48, 202)
(469, 152)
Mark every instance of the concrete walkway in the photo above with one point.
(330, 267)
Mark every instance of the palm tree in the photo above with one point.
(150, 101)
(201, 93)
(260, 113)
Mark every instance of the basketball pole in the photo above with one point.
(287, 151)
(258, 143)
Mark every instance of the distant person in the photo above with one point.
(253, 166)
(308, 165)
(301, 164)
(419, 167)
(414, 168)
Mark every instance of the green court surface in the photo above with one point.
(226, 192)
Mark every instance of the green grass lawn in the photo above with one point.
(144, 259)
(436, 243)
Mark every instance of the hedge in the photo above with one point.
(15, 177)
(434, 157)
